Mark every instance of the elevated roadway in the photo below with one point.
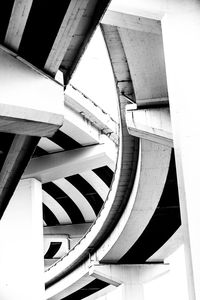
(134, 221)
(113, 193)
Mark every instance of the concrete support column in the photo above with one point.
(181, 30)
(129, 280)
(21, 250)
(131, 291)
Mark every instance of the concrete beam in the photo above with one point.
(17, 23)
(92, 112)
(31, 103)
(117, 198)
(128, 279)
(16, 160)
(150, 102)
(77, 127)
(144, 53)
(143, 50)
(106, 273)
(119, 274)
(126, 276)
(70, 230)
(65, 34)
(131, 22)
(27, 121)
(78, 24)
(65, 244)
(153, 124)
(67, 163)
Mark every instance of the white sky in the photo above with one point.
(94, 76)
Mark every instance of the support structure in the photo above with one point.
(21, 253)
(155, 60)
(63, 164)
(30, 107)
(181, 27)
(129, 279)
(153, 124)
(21, 85)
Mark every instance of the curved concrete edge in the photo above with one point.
(70, 284)
(111, 207)
(132, 216)
(114, 275)
(117, 198)
(114, 205)
(127, 159)
(20, 81)
(62, 287)
(150, 180)
(83, 245)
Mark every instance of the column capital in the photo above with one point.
(118, 274)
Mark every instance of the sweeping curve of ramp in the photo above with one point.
(142, 225)
(114, 205)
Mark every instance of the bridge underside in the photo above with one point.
(116, 198)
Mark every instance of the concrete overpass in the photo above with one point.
(114, 206)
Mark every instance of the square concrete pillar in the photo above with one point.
(21, 251)
(181, 29)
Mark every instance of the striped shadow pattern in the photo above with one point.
(76, 199)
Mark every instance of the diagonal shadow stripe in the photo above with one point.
(40, 32)
(87, 191)
(89, 289)
(53, 249)
(105, 173)
(5, 12)
(164, 222)
(65, 201)
(49, 218)
(39, 152)
(64, 141)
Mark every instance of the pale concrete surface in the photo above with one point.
(21, 81)
(182, 67)
(91, 112)
(62, 164)
(151, 175)
(22, 238)
(153, 124)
